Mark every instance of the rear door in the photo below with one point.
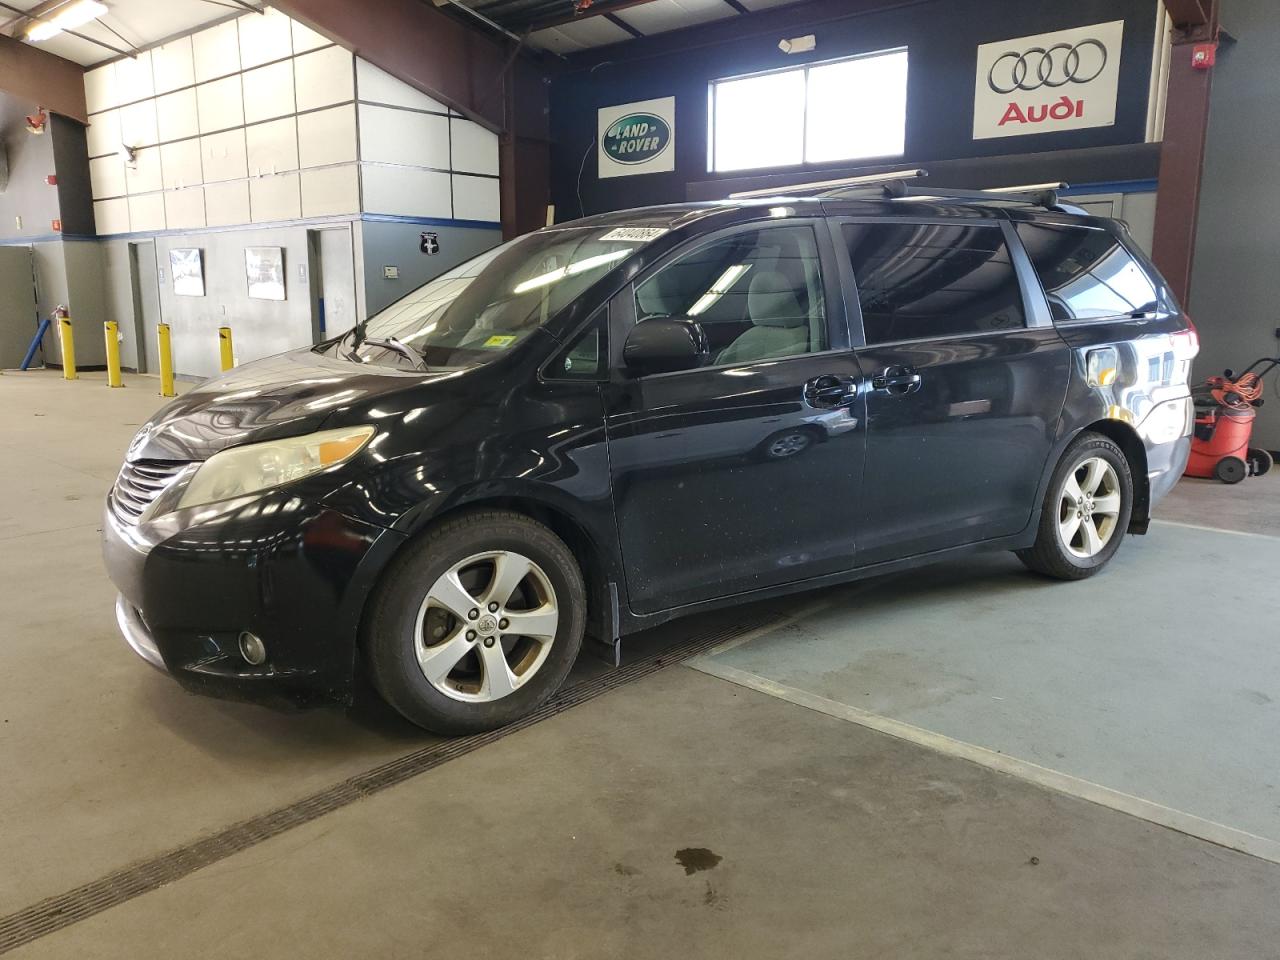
(744, 473)
(966, 379)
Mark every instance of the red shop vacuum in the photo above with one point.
(1225, 409)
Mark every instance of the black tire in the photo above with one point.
(1231, 470)
(387, 635)
(1049, 555)
(1260, 461)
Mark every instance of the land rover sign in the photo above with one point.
(637, 138)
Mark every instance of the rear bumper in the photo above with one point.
(1165, 464)
(293, 573)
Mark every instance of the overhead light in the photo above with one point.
(70, 16)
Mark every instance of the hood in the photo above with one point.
(282, 396)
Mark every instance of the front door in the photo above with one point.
(744, 473)
(963, 390)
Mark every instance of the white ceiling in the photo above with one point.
(653, 16)
(141, 23)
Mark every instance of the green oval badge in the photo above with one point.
(636, 138)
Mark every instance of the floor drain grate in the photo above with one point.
(63, 910)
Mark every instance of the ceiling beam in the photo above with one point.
(420, 45)
(602, 9)
(42, 79)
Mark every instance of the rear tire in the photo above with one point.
(1231, 470)
(1085, 513)
(476, 623)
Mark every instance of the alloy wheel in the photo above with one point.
(1089, 507)
(486, 626)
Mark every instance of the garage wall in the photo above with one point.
(1234, 285)
(941, 38)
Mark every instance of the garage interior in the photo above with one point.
(960, 761)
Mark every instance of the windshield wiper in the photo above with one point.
(395, 346)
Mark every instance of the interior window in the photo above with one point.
(1086, 273)
(917, 281)
(757, 294)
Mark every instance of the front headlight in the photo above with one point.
(260, 466)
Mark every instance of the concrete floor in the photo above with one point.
(822, 837)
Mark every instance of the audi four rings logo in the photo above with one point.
(1051, 67)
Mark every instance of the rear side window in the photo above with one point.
(918, 281)
(1086, 273)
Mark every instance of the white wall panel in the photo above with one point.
(111, 216)
(274, 198)
(180, 164)
(327, 136)
(176, 115)
(272, 147)
(379, 86)
(143, 176)
(100, 88)
(220, 104)
(476, 198)
(402, 136)
(475, 149)
(324, 77)
(222, 156)
(304, 38)
(106, 176)
(173, 65)
(406, 191)
(268, 92)
(138, 124)
(264, 38)
(133, 78)
(184, 208)
(226, 203)
(217, 51)
(146, 213)
(103, 133)
(330, 191)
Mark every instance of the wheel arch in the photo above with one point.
(1124, 436)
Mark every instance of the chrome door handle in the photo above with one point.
(829, 391)
(897, 381)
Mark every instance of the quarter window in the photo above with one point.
(758, 294)
(1086, 273)
(918, 281)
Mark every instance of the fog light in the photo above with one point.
(252, 649)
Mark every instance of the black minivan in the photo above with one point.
(602, 425)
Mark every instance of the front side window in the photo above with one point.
(1086, 273)
(486, 306)
(757, 294)
(840, 110)
(918, 281)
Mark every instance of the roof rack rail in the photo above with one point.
(1036, 195)
(825, 186)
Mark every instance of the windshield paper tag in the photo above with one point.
(501, 342)
(635, 234)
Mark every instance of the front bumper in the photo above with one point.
(294, 573)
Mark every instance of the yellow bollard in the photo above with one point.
(68, 348)
(110, 330)
(224, 348)
(166, 360)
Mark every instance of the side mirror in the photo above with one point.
(664, 345)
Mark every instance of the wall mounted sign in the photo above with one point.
(264, 271)
(188, 272)
(429, 243)
(1065, 80)
(634, 138)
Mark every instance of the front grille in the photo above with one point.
(139, 483)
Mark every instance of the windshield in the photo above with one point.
(486, 306)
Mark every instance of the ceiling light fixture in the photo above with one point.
(71, 16)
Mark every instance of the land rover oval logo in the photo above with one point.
(636, 138)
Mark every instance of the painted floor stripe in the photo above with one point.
(1216, 833)
(1200, 526)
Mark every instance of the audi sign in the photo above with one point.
(1055, 81)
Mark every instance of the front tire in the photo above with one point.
(476, 623)
(1086, 511)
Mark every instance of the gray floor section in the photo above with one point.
(1159, 678)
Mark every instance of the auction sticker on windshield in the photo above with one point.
(634, 234)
